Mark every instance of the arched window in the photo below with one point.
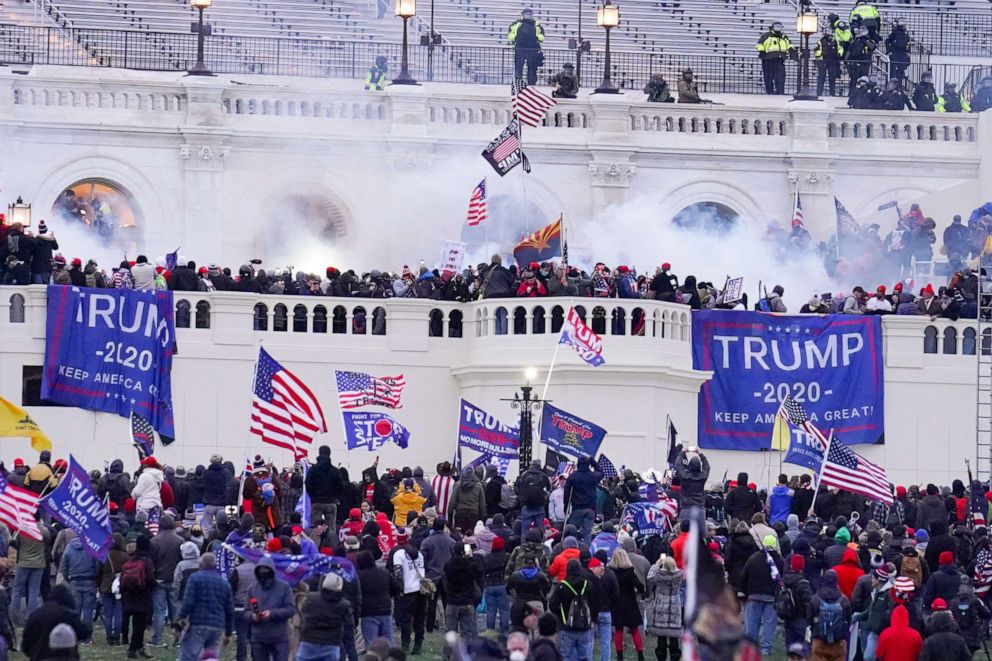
(435, 324)
(501, 319)
(319, 319)
(261, 317)
(930, 340)
(637, 321)
(557, 318)
(480, 324)
(950, 340)
(455, 323)
(508, 217)
(519, 321)
(968, 341)
(710, 216)
(16, 309)
(203, 314)
(300, 319)
(599, 320)
(619, 321)
(182, 313)
(339, 324)
(379, 321)
(280, 318)
(102, 206)
(537, 324)
(358, 321)
(581, 311)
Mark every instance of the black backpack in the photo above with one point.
(579, 616)
(785, 603)
(532, 489)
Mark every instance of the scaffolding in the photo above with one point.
(983, 427)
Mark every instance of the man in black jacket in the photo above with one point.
(463, 579)
(214, 491)
(802, 500)
(580, 496)
(741, 503)
(533, 487)
(59, 608)
(693, 469)
(184, 278)
(323, 485)
(925, 94)
(897, 46)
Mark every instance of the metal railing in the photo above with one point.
(947, 32)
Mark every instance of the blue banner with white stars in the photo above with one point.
(831, 364)
(111, 350)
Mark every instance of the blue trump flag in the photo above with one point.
(483, 432)
(831, 365)
(296, 568)
(569, 434)
(111, 350)
(805, 450)
(74, 504)
(373, 430)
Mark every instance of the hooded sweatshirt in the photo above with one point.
(792, 528)
(190, 562)
(272, 594)
(848, 572)
(468, 499)
(147, 491)
(899, 642)
(780, 504)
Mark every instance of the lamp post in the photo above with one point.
(527, 402)
(18, 212)
(806, 25)
(607, 17)
(200, 68)
(405, 9)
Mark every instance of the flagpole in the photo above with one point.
(254, 382)
(819, 475)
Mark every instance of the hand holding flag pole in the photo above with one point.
(819, 475)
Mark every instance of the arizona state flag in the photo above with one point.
(15, 422)
(542, 245)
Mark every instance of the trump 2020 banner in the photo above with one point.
(74, 504)
(832, 365)
(569, 434)
(111, 350)
(481, 431)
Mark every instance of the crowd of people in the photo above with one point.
(550, 565)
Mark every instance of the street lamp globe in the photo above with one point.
(608, 15)
(200, 4)
(406, 8)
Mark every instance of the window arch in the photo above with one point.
(261, 320)
(950, 345)
(299, 318)
(619, 321)
(16, 309)
(968, 341)
(379, 321)
(339, 323)
(637, 321)
(455, 323)
(930, 340)
(280, 318)
(358, 321)
(501, 319)
(202, 314)
(435, 323)
(557, 318)
(519, 320)
(319, 319)
(599, 320)
(102, 206)
(537, 323)
(182, 313)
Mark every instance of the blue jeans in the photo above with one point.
(575, 645)
(164, 604)
(583, 519)
(199, 638)
(377, 626)
(113, 616)
(531, 515)
(84, 594)
(497, 603)
(312, 652)
(242, 629)
(604, 634)
(41, 278)
(760, 617)
(278, 651)
(27, 586)
(871, 644)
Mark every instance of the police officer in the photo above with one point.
(860, 98)
(375, 77)
(829, 55)
(982, 100)
(924, 94)
(859, 55)
(657, 90)
(894, 97)
(526, 35)
(688, 92)
(566, 84)
(951, 101)
(866, 14)
(843, 35)
(897, 46)
(773, 48)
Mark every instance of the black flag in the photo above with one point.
(504, 153)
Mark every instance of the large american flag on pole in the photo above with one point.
(798, 219)
(284, 411)
(846, 469)
(357, 389)
(17, 509)
(794, 412)
(477, 209)
(531, 105)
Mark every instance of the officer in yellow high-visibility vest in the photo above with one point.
(865, 13)
(773, 48)
(526, 34)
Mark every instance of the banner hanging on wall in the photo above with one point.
(111, 350)
(830, 364)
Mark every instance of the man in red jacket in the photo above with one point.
(899, 642)
(848, 572)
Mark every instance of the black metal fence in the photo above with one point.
(948, 33)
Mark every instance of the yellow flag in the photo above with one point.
(987, 248)
(780, 434)
(15, 422)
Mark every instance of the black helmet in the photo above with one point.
(568, 65)
(776, 25)
(687, 70)
(842, 25)
(245, 270)
(949, 86)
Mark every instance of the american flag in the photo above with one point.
(477, 211)
(845, 221)
(284, 412)
(531, 105)
(794, 412)
(510, 145)
(607, 468)
(142, 435)
(846, 469)
(798, 220)
(356, 389)
(17, 509)
(154, 516)
(172, 260)
(649, 492)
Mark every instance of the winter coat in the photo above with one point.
(742, 503)
(943, 583)
(189, 564)
(757, 578)
(165, 553)
(529, 584)
(436, 550)
(625, 609)
(943, 642)
(938, 544)
(561, 598)
(59, 608)
(463, 580)
(469, 499)
(215, 485)
(208, 601)
(110, 567)
(525, 555)
(930, 510)
(899, 642)
(323, 482)
(557, 568)
(692, 487)
(76, 564)
(325, 615)
(779, 504)
(830, 594)
(580, 488)
(143, 276)
(848, 572)
(739, 549)
(663, 605)
(494, 564)
(972, 616)
(404, 502)
(114, 484)
(277, 598)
